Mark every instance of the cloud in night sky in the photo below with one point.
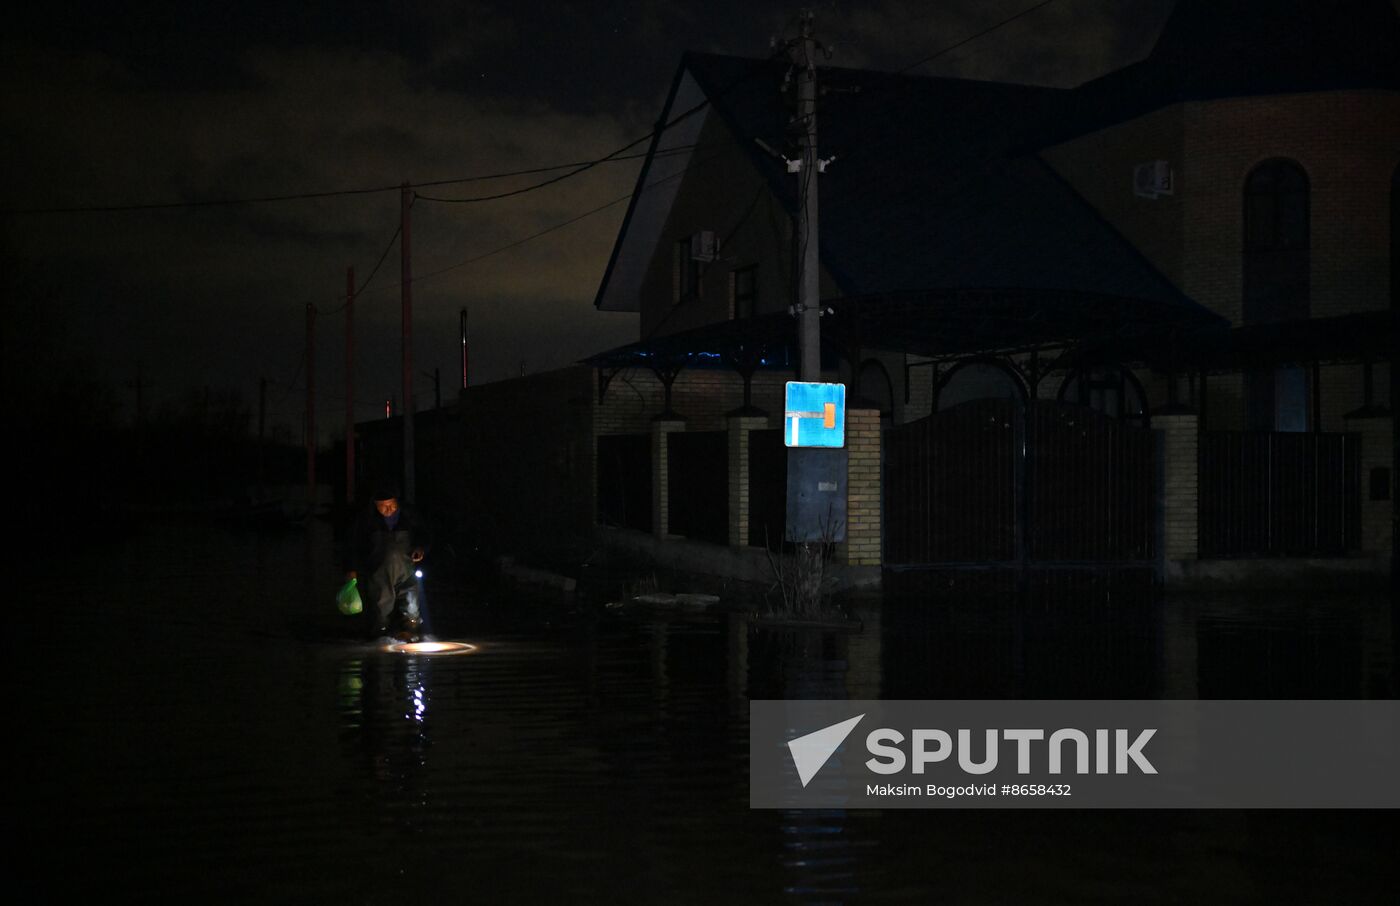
(165, 102)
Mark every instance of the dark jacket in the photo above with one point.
(359, 543)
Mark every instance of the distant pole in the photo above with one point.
(140, 394)
(462, 325)
(139, 427)
(310, 403)
(809, 287)
(406, 279)
(350, 384)
(262, 431)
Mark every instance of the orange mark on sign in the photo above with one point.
(829, 415)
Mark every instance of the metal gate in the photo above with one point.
(989, 482)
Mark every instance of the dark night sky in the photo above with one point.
(170, 102)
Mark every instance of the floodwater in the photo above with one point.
(193, 726)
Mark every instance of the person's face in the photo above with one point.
(388, 507)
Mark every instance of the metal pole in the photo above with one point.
(310, 404)
(262, 433)
(350, 384)
(462, 319)
(809, 288)
(406, 276)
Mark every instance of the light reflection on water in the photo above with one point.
(192, 727)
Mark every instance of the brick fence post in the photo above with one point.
(739, 427)
(660, 475)
(864, 542)
(1376, 429)
(1181, 484)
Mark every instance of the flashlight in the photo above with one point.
(417, 574)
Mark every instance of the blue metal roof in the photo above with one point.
(931, 190)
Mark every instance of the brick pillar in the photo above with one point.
(660, 475)
(1376, 515)
(739, 428)
(864, 544)
(1180, 499)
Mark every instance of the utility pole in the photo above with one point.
(138, 428)
(350, 384)
(262, 433)
(462, 324)
(436, 375)
(809, 288)
(406, 278)
(140, 387)
(310, 405)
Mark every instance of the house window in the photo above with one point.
(687, 272)
(1276, 286)
(744, 292)
(1395, 240)
(1276, 243)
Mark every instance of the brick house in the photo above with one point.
(1143, 322)
(1198, 248)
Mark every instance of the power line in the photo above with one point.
(576, 166)
(540, 185)
(970, 38)
(382, 255)
(888, 78)
(559, 226)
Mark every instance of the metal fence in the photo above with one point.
(986, 482)
(1279, 494)
(624, 480)
(698, 484)
(767, 488)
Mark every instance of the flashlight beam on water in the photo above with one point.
(436, 648)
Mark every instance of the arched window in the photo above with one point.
(1276, 286)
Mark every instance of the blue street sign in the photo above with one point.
(814, 415)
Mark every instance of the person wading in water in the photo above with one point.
(386, 542)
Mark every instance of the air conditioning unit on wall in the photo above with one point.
(1152, 179)
(703, 246)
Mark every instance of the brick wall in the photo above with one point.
(1179, 446)
(920, 382)
(661, 475)
(739, 428)
(1346, 142)
(863, 545)
(1376, 450)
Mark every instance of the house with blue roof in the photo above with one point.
(1144, 322)
(1144, 325)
